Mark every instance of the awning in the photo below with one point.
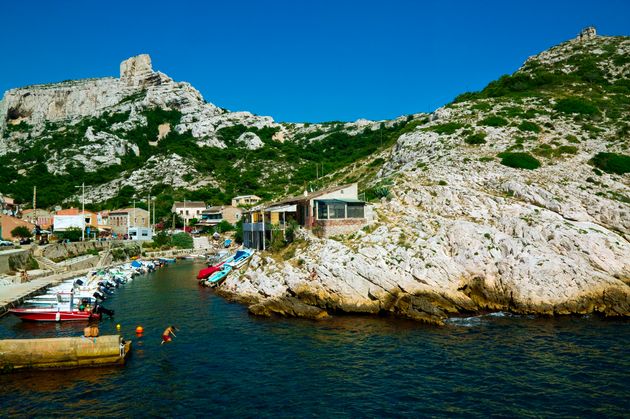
(337, 201)
(283, 208)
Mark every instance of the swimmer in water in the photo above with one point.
(166, 335)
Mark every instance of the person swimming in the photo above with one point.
(166, 335)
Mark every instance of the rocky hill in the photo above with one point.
(145, 133)
(514, 198)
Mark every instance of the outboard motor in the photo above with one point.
(102, 310)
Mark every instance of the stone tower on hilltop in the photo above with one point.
(587, 33)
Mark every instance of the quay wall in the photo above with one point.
(69, 352)
(12, 260)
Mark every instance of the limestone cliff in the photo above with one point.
(465, 227)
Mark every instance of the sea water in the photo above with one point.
(225, 362)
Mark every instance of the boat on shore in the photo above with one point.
(217, 273)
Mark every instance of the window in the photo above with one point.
(322, 213)
(356, 211)
(186, 212)
(337, 210)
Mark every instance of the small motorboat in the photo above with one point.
(206, 272)
(241, 257)
(52, 314)
(62, 311)
(217, 277)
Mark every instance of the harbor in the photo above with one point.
(224, 361)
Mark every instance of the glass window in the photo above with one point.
(321, 211)
(356, 211)
(337, 210)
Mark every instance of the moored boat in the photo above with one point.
(206, 272)
(51, 314)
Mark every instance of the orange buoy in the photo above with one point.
(139, 329)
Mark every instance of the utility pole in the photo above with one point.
(153, 199)
(82, 210)
(262, 211)
(35, 204)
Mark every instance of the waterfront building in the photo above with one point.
(188, 210)
(214, 215)
(90, 217)
(40, 217)
(8, 223)
(8, 206)
(328, 212)
(121, 220)
(245, 200)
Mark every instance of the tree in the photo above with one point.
(73, 234)
(238, 235)
(21, 232)
(224, 226)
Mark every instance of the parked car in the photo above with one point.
(5, 243)
(26, 241)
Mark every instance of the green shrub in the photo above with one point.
(566, 149)
(572, 139)
(238, 233)
(224, 226)
(481, 106)
(182, 240)
(21, 232)
(477, 138)
(447, 128)
(161, 239)
(377, 162)
(519, 160)
(612, 163)
(574, 105)
(547, 150)
(528, 126)
(494, 121)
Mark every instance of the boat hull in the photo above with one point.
(46, 315)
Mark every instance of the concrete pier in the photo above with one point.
(72, 352)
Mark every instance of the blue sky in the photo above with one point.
(296, 60)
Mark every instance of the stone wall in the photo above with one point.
(338, 227)
(67, 250)
(13, 260)
(67, 352)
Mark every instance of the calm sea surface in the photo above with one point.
(224, 362)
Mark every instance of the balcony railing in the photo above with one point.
(259, 226)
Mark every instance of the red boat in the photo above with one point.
(50, 315)
(206, 272)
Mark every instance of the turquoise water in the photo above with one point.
(224, 362)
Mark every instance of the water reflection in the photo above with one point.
(54, 380)
(224, 362)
